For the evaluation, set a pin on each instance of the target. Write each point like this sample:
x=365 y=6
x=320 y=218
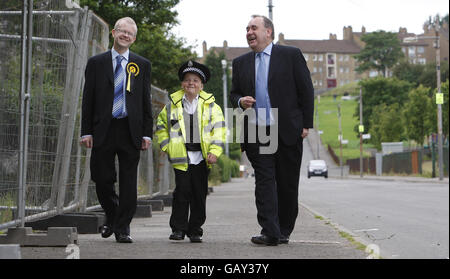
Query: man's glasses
x=125 y=32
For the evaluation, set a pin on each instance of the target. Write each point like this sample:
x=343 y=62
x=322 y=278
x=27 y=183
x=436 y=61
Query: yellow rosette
x=132 y=69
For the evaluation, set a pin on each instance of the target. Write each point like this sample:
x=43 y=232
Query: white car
x=317 y=168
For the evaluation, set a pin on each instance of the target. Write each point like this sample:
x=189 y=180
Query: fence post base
x=55 y=236
x=10 y=251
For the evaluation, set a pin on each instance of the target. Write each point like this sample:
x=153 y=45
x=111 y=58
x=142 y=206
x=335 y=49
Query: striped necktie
x=118 y=89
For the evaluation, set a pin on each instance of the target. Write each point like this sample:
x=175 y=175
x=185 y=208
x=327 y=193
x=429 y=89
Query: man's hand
x=247 y=102
x=305 y=133
x=86 y=141
x=145 y=144
x=212 y=159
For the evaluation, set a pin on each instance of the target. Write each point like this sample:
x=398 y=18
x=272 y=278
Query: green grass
x=6 y=199
x=328 y=122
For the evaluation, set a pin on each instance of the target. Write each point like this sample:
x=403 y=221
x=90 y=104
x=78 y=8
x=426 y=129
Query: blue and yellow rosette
x=132 y=69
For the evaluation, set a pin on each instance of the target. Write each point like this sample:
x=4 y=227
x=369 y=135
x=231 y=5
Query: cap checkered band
x=192 y=69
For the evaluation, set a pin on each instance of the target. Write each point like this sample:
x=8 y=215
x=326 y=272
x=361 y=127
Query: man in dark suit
x=274 y=77
x=117 y=120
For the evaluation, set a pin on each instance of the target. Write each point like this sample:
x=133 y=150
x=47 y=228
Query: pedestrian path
x=231 y=221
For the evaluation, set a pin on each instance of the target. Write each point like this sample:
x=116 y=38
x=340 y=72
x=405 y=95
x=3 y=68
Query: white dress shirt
x=195 y=157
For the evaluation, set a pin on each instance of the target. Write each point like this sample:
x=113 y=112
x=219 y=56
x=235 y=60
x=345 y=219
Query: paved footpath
x=231 y=221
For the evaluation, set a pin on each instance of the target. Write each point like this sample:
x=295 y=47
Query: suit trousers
x=276 y=186
x=189 y=196
x=119 y=209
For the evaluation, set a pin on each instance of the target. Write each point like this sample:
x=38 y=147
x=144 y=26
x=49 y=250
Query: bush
x=225 y=167
x=224 y=170
x=214 y=175
x=235 y=151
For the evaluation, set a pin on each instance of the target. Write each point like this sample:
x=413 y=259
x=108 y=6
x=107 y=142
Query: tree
x=428 y=77
x=381 y=52
x=155 y=19
x=441 y=21
x=377 y=91
x=421 y=74
x=215 y=85
x=167 y=54
x=445 y=110
x=144 y=12
x=386 y=125
x=418 y=114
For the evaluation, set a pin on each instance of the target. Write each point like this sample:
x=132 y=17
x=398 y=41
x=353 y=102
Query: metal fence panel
x=57 y=168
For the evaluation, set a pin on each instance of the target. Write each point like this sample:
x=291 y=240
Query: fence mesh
x=57 y=168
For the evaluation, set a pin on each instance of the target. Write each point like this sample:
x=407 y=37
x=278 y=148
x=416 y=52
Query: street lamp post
x=439 y=105
x=340 y=141
x=224 y=79
x=361 y=130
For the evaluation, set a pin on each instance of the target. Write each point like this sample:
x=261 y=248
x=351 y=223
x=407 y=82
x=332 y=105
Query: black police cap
x=194 y=67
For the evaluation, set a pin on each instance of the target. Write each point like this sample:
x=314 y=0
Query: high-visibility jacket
x=171 y=130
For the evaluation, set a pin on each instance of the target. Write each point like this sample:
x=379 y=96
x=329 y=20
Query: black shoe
x=265 y=240
x=123 y=238
x=177 y=235
x=284 y=239
x=106 y=231
x=195 y=238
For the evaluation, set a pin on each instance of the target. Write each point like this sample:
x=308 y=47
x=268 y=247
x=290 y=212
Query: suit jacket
x=290 y=89
x=98 y=96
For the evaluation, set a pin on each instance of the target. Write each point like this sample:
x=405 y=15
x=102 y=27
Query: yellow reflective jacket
x=171 y=132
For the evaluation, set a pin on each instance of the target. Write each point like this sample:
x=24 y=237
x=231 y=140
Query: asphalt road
x=405 y=219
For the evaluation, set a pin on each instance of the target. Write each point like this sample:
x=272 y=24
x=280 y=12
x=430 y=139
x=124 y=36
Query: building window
x=347 y=57
x=320 y=57
x=331 y=73
x=315 y=70
x=420 y=49
x=314 y=57
x=422 y=61
x=315 y=82
x=341 y=57
x=341 y=70
x=330 y=58
x=306 y=56
x=373 y=73
x=412 y=51
x=404 y=50
x=320 y=69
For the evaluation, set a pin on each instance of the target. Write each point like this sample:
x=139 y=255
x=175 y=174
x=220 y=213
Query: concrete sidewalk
x=231 y=221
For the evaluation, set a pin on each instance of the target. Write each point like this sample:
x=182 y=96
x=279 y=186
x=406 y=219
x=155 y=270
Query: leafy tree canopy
x=381 y=52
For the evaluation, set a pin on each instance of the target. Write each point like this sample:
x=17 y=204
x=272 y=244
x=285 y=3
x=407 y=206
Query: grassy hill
x=328 y=122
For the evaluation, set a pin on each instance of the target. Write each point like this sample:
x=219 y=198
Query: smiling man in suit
x=117 y=121
x=274 y=80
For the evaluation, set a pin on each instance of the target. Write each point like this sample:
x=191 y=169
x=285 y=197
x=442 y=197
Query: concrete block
x=10 y=251
x=84 y=222
x=143 y=211
x=157 y=205
x=55 y=236
x=167 y=199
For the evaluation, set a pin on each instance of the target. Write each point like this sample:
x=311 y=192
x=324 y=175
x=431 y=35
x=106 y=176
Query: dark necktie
x=118 y=89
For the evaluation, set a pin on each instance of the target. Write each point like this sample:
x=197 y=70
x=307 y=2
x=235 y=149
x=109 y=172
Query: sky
x=214 y=21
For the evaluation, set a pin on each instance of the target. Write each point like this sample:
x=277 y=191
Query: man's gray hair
x=267 y=24
x=128 y=20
